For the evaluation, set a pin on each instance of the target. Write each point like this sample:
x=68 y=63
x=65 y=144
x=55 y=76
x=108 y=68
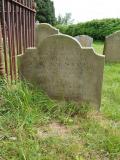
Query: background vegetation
x=45 y=11
x=97 y=29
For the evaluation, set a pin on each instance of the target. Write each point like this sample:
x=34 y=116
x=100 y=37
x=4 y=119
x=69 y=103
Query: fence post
x=17 y=18
x=1 y=53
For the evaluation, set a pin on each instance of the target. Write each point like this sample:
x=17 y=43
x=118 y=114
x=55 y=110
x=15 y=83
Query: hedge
x=98 y=29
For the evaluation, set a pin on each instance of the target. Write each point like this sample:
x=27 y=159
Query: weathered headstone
x=42 y=31
x=85 y=40
x=64 y=70
x=112 y=47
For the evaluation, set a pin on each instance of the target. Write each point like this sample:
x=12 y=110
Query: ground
x=34 y=127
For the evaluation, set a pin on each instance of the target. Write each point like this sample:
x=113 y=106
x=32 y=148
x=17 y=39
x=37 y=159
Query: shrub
x=98 y=29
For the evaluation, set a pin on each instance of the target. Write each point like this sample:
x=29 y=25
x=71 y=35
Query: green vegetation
x=34 y=127
x=98 y=29
x=98 y=46
x=45 y=11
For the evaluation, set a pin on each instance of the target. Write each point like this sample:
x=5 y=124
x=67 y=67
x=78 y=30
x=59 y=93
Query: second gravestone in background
x=64 y=70
x=84 y=40
x=112 y=47
x=42 y=31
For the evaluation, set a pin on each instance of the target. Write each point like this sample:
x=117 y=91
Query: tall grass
x=25 y=111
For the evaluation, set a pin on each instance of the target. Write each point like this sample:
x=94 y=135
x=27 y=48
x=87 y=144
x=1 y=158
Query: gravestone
x=64 y=70
x=112 y=47
x=42 y=31
x=84 y=40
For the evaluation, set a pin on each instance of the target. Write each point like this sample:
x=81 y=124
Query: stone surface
x=65 y=70
x=85 y=41
x=112 y=47
x=42 y=31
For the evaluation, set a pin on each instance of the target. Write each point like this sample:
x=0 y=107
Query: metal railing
x=17 y=25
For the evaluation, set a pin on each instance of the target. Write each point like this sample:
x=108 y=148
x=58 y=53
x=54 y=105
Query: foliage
x=98 y=46
x=98 y=29
x=45 y=11
x=66 y=20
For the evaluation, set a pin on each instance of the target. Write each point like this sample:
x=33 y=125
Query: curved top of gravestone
x=42 y=31
x=65 y=41
x=117 y=33
x=83 y=36
x=47 y=26
x=84 y=40
x=78 y=36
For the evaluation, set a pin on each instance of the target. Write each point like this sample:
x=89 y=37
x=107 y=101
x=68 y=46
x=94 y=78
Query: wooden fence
x=17 y=22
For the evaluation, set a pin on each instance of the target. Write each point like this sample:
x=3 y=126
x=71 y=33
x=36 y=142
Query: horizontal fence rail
x=17 y=25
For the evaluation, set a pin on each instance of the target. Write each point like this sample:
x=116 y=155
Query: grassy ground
x=98 y=46
x=34 y=127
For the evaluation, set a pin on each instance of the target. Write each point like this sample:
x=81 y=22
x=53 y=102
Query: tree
x=67 y=19
x=45 y=11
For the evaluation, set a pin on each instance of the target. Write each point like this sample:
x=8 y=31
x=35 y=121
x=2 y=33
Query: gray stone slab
x=85 y=40
x=65 y=70
x=112 y=47
x=42 y=31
